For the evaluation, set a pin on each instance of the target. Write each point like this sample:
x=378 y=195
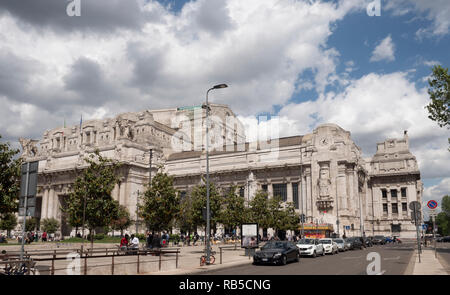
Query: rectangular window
x=393 y=193
x=280 y=190
x=242 y=191
x=403 y=192
x=295 y=194
x=264 y=187
x=405 y=207
x=394 y=208
x=385 y=209
x=384 y=193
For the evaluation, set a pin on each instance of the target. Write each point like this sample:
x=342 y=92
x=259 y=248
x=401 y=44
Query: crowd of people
x=30 y=237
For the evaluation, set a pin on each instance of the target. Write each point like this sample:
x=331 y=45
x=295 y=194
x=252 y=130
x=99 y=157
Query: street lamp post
x=208 y=215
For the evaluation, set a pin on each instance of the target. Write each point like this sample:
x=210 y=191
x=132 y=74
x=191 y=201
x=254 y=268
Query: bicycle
x=212 y=259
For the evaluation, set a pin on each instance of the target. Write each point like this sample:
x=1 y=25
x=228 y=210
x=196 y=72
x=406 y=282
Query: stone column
x=122 y=196
x=270 y=189
x=303 y=196
x=309 y=196
x=289 y=193
x=51 y=202
x=44 y=205
x=350 y=192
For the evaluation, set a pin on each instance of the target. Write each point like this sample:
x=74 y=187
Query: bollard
x=138 y=262
x=160 y=260
x=112 y=265
x=220 y=255
x=176 y=261
x=85 y=264
x=53 y=263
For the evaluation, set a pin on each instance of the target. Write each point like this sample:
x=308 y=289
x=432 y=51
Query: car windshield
x=378 y=237
x=325 y=241
x=306 y=241
x=339 y=241
x=276 y=245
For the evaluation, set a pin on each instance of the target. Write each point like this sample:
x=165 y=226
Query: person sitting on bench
x=134 y=245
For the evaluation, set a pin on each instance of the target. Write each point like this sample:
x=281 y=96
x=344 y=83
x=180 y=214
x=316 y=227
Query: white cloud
x=373 y=108
x=437 y=11
x=173 y=60
x=384 y=50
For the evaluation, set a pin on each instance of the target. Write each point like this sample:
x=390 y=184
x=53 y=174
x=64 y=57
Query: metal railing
x=35 y=256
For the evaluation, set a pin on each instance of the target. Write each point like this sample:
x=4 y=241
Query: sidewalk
x=429 y=265
x=190 y=260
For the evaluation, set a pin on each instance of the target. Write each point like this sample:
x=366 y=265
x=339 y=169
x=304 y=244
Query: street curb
x=202 y=270
x=412 y=262
x=443 y=262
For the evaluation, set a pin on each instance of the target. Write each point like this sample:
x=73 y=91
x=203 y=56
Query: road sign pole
x=417 y=232
x=434 y=234
x=25 y=212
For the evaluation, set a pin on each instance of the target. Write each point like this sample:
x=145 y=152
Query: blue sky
x=307 y=62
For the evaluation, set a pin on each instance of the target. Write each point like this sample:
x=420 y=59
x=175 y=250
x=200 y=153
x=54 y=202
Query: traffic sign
x=424 y=226
x=432 y=204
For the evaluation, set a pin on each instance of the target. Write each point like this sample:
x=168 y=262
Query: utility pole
x=25 y=212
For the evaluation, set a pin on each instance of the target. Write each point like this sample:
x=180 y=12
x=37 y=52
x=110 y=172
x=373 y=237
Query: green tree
x=160 y=202
x=276 y=214
x=443 y=218
x=9 y=179
x=198 y=196
x=31 y=224
x=50 y=225
x=233 y=212
x=122 y=221
x=184 y=218
x=93 y=188
x=259 y=209
x=8 y=222
x=439 y=91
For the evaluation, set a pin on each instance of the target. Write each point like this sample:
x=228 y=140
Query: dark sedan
x=277 y=252
x=379 y=240
x=355 y=243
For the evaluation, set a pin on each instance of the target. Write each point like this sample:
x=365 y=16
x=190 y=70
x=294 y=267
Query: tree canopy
x=160 y=202
x=94 y=185
x=439 y=91
x=9 y=178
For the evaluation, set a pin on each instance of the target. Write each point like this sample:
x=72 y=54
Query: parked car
x=277 y=252
x=342 y=245
x=356 y=243
x=329 y=246
x=310 y=247
x=389 y=240
x=446 y=239
x=379 y=240
x=348 y=244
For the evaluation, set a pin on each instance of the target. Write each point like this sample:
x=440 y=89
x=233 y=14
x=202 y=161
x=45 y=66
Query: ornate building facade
x=323 y=173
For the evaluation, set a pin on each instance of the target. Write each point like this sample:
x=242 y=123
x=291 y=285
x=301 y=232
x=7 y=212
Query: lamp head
x=220 y=86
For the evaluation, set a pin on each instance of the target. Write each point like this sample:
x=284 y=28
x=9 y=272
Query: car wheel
x=297 y=258
x=283 y=260
x=314 y=254
x=323 y=252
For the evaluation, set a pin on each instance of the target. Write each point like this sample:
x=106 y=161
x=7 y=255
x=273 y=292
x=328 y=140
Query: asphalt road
x=443 y=250
x=394 y=261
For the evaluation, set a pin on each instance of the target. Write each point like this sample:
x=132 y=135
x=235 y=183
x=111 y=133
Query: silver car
x=329 y=246
x=342 y=245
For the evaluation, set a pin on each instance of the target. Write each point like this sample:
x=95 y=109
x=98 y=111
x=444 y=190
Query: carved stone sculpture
x=29 y=147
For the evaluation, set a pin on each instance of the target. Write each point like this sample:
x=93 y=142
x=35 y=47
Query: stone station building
x=323 y=173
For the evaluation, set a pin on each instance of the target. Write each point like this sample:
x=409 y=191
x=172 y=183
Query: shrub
x=99 y=236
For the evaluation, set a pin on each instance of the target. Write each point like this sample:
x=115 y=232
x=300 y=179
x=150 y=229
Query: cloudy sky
x=308 y=62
